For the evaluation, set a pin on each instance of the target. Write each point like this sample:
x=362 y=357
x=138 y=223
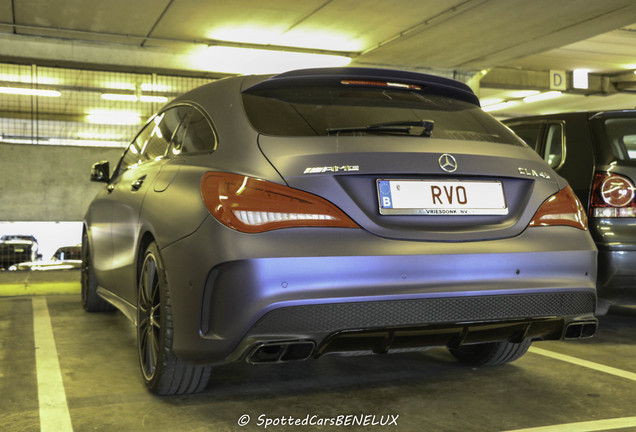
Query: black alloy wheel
x=149 y=318
x=164 y=373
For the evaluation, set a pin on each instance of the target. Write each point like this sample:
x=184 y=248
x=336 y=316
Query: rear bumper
x=448 y=293
x=399 y=339
x=419 y=297
x=616 y=242
x=617 y=275
x=383 y=326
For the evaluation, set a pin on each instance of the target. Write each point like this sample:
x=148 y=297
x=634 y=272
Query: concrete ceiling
x=498 y=46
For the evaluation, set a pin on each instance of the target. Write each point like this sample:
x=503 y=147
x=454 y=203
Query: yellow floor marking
x=589 y=426
x=44 y=288
x=588 y=364
x=54 y=414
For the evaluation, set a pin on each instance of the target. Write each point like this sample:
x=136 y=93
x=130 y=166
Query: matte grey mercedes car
x=282 y=218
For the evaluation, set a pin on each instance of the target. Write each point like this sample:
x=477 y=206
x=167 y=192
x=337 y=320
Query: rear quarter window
x=196 y=134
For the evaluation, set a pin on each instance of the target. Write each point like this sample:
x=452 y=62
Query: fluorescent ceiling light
x=119 y=97
x=320 y=40
x=490 y=101
x=63 y=141
x=499 y=106
x=133 y=98
x=25 y=78
x=30 y=92
x=542 y=96
x=28 y=79
x=311 y=40
x=13 y=140
x=580 y=78
x=114 y=117
x=159 y=99
x=101 y=136
x=524 y=93
x=86 y=143
x=156 y=87
x=261 y=61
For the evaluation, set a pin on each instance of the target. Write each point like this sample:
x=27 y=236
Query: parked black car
x=15 y=249
x=596 y=153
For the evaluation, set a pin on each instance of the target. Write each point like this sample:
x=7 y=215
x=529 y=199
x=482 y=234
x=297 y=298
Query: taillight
x=251 y=205
x=612 y=196
x=562 y=208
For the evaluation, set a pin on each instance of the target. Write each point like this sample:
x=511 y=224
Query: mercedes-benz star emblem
x=447 y=163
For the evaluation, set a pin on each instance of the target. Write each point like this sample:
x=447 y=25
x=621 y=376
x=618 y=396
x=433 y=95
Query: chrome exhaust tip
x=580 y=330
x=280 y=352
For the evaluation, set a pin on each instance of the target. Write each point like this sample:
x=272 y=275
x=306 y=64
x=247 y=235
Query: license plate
x=433 y=197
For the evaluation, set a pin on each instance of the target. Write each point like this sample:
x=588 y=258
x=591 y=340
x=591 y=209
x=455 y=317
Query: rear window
x=313 y=111
x=621 y=135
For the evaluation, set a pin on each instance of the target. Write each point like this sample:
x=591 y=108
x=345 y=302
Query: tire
x=90 y=300
x=491 y=354
x=163 y=372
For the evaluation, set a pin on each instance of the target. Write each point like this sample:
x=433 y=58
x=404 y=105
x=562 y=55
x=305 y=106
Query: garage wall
x=56 y=122
x=48 y=183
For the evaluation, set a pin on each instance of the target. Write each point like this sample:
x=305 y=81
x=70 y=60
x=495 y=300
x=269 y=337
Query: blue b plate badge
x=434 y=197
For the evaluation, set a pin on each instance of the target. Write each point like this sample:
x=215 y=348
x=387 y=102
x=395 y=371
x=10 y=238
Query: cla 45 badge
x=533 y=173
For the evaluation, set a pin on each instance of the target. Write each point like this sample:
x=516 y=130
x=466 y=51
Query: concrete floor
x=100 y=389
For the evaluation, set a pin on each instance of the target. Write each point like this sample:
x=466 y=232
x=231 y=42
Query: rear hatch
x=406 y=156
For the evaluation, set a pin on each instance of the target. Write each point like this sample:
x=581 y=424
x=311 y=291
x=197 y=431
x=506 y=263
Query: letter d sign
x=557 y=80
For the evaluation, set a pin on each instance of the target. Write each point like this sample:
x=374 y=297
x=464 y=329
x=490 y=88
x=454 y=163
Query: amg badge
x=328 y=169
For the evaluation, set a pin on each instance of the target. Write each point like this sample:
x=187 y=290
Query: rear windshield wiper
x=418 y=128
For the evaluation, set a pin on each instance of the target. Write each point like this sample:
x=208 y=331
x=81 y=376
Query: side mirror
x=100 y=172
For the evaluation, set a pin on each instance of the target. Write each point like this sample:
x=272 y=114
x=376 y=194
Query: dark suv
x=596 y=153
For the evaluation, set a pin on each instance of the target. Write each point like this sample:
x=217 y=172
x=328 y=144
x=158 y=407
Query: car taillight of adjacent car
x=612 y=196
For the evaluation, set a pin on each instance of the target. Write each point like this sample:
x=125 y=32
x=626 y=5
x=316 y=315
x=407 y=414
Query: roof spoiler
x=430 y=84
